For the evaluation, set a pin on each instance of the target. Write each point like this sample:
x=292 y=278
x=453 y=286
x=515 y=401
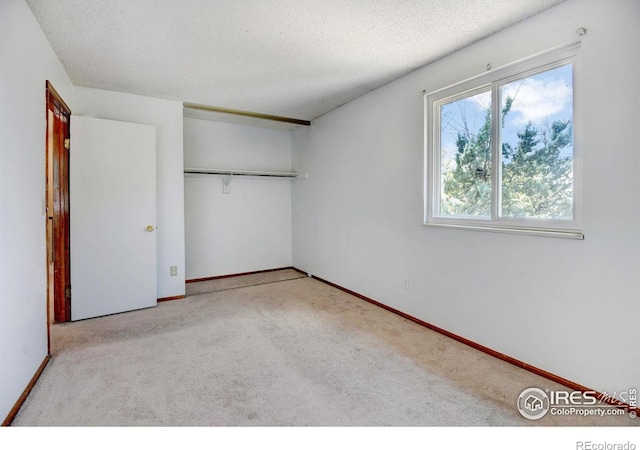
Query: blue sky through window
x=540 y=99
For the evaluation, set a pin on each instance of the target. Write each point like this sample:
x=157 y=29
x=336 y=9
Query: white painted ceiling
x=292 y=58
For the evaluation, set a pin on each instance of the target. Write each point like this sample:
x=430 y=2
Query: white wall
x=26 y=61
x=248 y=229
x=568 y=307
x=166 y=116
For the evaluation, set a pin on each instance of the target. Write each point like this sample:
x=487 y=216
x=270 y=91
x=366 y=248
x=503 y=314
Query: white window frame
x=492 y=81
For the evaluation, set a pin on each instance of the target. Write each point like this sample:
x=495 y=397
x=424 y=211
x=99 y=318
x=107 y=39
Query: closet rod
x=238 y=112
x=249 y=173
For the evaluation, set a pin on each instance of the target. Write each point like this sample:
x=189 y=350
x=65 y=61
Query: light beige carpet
x=288 y=351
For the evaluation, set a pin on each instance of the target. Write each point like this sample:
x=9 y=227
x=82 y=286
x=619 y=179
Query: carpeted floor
x=274 y=349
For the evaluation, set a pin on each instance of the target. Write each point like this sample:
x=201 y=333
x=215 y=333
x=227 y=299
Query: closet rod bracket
x=226 y=184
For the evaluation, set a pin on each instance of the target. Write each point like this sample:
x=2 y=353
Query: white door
x=113 y=212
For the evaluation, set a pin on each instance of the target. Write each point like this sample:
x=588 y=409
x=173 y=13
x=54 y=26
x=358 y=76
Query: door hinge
x=67 y=293
x=67 y=143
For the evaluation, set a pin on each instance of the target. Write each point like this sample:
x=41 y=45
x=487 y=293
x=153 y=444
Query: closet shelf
x=250 y=173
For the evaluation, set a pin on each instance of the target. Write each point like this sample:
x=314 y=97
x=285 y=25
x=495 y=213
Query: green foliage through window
x=535 y=180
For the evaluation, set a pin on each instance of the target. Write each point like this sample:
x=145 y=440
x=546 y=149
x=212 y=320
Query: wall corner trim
x=232 y=275
x=175 y=297
x=25 y=393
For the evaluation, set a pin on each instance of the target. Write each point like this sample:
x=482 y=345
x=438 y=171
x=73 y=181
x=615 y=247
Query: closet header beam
x=255 y=115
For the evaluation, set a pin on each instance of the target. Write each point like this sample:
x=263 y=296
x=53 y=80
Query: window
x=501 y=150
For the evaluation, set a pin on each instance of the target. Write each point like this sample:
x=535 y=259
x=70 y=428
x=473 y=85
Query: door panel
x=113 y=193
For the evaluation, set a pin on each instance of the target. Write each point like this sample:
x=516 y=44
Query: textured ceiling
x=297 y=59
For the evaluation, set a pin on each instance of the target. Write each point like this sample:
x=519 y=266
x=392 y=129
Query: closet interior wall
x=246 y=226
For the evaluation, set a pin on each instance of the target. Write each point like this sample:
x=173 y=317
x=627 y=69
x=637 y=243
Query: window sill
x=565 y=234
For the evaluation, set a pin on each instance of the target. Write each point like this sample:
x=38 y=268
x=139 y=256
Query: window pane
x=465 y=156
x=537 y=146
